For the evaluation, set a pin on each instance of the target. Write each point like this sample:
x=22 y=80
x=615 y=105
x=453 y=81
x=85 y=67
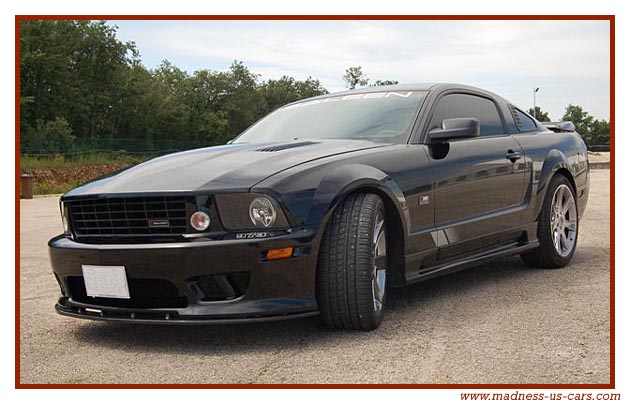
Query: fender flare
x=342 y=181
x=554 y=161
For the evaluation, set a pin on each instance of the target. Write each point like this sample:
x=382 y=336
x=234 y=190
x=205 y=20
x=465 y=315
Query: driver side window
x=469 y=106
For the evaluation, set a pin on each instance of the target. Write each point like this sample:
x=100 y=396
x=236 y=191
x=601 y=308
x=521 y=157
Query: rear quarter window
x=522 y=121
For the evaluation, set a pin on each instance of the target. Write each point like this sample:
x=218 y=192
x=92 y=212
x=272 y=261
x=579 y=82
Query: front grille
x=128 y=217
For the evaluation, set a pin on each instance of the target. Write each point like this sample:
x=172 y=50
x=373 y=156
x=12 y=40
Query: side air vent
x=284 y=146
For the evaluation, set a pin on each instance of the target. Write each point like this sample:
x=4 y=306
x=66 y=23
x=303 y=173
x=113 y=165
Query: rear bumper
x=274 y=290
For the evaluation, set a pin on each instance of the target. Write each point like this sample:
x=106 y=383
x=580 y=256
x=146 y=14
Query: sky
x=567 y=60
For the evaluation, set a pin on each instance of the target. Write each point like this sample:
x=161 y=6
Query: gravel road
x=500 y=323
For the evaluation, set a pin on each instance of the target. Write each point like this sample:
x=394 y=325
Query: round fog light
x=200 y=221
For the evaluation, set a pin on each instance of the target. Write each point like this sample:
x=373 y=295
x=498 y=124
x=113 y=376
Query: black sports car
x=320 y=207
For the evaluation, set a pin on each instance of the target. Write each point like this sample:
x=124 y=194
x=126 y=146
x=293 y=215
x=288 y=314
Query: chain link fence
x=117 y=147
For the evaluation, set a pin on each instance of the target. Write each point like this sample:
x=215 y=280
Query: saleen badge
x=153 y=223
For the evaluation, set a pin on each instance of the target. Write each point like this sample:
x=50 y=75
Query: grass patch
x=47 y=188
x=59 y=174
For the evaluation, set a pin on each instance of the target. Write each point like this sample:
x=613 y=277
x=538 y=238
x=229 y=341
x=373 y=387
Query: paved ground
x=501 y=323
x=599 y=160
x=598 y=157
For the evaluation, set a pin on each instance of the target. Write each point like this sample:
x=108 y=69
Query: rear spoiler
x=565 y=126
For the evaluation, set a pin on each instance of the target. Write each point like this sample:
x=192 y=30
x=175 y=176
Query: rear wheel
x=352 y=274
x=557 y=227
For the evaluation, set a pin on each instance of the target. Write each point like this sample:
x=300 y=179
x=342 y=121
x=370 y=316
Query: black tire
x=346 y=269
x=547 y=255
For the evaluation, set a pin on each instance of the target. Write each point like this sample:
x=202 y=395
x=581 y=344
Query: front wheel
x=557 y=227
x=352 y=274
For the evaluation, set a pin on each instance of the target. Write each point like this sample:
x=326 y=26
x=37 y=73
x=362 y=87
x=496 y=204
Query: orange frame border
x=610 y=18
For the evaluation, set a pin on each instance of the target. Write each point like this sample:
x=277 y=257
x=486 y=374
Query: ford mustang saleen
x=321 y=207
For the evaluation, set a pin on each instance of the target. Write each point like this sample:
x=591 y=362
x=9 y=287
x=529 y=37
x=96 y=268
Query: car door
x=478 y=182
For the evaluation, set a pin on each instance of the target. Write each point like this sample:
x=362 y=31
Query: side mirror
x=456 y=128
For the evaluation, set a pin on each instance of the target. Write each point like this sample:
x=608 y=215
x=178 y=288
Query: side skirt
x=471 y=261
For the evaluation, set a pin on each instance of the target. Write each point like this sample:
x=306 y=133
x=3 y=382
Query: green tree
x=54 y=136
x=171 y=115
x=594 y=132
x=74 y=69
x=600 y=132
x=81 y=88
x=581 y=119
x=141 y=103
x=540 y=115
x=354 y=77
x=209 y=122
x=242 y=104
x=277 y=93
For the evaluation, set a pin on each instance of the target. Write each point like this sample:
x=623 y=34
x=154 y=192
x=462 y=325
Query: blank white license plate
x=105 y=281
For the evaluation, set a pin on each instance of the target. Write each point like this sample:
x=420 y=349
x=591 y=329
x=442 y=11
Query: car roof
x=403 y=87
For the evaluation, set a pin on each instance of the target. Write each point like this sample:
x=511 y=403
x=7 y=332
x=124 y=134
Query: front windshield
x=379 y=116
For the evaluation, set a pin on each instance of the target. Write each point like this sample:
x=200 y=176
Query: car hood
x=235 y=167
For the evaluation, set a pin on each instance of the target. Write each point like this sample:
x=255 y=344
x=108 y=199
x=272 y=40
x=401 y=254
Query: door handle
x=513 y=156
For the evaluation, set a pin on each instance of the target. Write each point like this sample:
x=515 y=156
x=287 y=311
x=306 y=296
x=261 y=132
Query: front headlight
x=250 y=211
x=262 y=212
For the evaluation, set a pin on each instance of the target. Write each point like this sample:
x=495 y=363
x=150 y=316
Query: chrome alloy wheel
x=563 y=220
x=379 y=272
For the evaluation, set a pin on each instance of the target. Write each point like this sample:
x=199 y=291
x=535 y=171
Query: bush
x=47 y=137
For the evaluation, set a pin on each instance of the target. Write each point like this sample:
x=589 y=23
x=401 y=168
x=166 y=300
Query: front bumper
x=279 y=289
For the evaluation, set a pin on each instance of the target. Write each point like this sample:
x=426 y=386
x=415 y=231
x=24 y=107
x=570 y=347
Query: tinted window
x=523 y=122
x=379 y=116
x=469 y=106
